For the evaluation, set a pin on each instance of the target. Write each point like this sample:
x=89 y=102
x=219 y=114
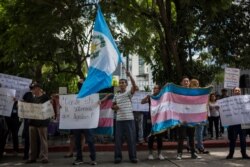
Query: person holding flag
x=125 y=124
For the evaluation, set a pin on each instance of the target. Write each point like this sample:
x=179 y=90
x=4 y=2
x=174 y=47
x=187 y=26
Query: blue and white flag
x=104 y=59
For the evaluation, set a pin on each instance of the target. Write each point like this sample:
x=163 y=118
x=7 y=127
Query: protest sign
x=235 y=110
x=6 y=101
x=79 y=113
x=21 y=85
x=231 y=78
x=35 y=111
x=136 y=101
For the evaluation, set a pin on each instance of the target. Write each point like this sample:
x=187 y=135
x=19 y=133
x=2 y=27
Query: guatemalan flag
x=176 y=105
x=104 y=59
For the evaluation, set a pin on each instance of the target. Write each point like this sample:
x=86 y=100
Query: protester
x=38 y=126
x=13 y=126
x=3 y=134
x=214 y=116
x=88 y=133
x=183 y=129
x=28 y=97
x=233 y=132
x=223 y=95
x=138 y=115
x=125 y=125
x=194 y=83
x=158 y=137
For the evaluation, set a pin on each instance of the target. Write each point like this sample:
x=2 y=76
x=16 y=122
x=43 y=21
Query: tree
x=164 y=32
x=43 y=38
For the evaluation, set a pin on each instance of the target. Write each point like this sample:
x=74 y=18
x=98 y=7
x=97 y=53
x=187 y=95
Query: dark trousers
x=233 y=132
x=182 y=132
x=221 y=128
x=3 y=134
x=151 y=142
x=26 y=139
x=13 y=126
x=88 y=134
x=214 y=122
x=125 y=129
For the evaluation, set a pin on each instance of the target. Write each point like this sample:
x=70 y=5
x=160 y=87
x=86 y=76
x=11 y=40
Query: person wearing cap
x=38 y=126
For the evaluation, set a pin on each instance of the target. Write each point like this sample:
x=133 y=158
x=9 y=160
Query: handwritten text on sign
x=35 y=111
x=21 y=85
x=136 y=102
x=81 y=113
x=231 y=78
x=6 y=101
x=235 y=110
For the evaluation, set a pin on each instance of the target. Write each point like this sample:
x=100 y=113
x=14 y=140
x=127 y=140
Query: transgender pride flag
x=104 y=59
x=105 y=125
x=176 y=105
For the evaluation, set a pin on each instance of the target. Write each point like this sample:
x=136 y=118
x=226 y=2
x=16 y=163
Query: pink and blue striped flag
x=105 y=125
x=105 y=57
x=176 y=105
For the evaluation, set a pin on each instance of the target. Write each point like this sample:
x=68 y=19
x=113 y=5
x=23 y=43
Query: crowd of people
x=129 y=126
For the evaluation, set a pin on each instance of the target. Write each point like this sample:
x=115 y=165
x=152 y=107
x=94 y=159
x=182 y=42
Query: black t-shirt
x=39 y=123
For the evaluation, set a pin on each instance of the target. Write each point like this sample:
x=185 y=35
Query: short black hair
x=126 y=81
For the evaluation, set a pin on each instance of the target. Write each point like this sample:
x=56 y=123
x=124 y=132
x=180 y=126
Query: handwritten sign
x=235 y=110
x=35 y=111
x=6 y=101
x=21 y=85
x=136 y=102
x=79 y=113
x=231 y=78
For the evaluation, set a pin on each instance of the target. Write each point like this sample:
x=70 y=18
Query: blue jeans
x=199 y=136
x=139 y=123
x=125 y=129
x=88 y=134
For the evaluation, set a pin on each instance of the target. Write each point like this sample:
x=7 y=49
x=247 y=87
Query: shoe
x=117 y=161
x=229 y=156
x=179 y=156
x=93 y=163
x=245 y=156
x=203 y=151
x=30 y=161
x=68 y=156
x=77 y=162
x=44 y=161
x=195 y=156
x=134 y=161
x=161 y=157
x=150 y=157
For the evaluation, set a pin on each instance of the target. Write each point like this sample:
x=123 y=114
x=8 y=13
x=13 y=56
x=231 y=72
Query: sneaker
x=229 y=156
x=195 y=156
x=44 y=161
x=117 y=161
x=161 y=157
x=30 y=161
x=245 y=156
x=93 y=163
x=179 y=156
x=150 y=157
x=134 y=161
x=77 y=162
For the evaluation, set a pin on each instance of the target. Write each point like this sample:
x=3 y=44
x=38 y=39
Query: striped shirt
x=123 y=101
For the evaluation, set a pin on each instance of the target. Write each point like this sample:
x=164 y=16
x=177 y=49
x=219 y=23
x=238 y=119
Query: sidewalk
x=59 y=144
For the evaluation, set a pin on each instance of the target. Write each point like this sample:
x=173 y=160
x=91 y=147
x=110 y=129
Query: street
x=216 y=158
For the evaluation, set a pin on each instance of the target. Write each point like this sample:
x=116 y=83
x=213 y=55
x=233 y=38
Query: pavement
x=216 y=158
x=58 y=147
